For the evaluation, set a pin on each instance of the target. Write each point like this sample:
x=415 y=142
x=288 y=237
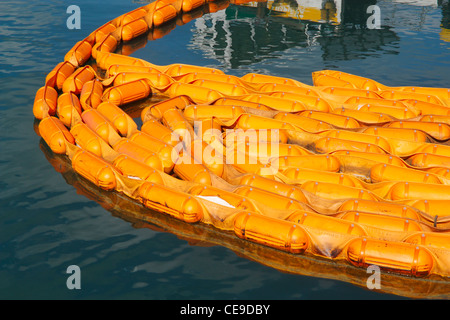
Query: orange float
x=327 y=224
x=273 y=186
x=95 y=169
x=418 y=191
x=380 y=207
x=45 y=102
x=337 y=120
x=385 y=172
x=303 y=198
x=127 y=92
x=334 y=191
x=439 y=131
x=87 y=139
x=398 y=257
x=135 y=169
x=179 y=204
x=138 y=152
x=68 y=108
x=55 y=134
x=318 y=162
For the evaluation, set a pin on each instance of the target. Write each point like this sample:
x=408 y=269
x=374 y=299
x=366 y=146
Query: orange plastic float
x=418 y=191
x=95 y=169
x=135 y=169
x=348 y=169
x=203 y=112
x=264 y=79
x=187 y=168
x=393 y=111
x=127 y=92
x=310 y=101
x=230 y=101
x=59 y=74
x=272 y=186
x=429 y=160
x=380 y=207
x=162 y=149
x=429 y=108
x=337 y=120
x=402 y=95
x=68 y=108
x=276 y=103
x=398 y=133
x=45 y=102
x=227 y=198
x=267 y=150
x=384 y=222
x=138 y=152
x=269 y=199
x=157 y=110
x=336 y=191
x=248 y=121
x=327 y=144
x=120 y=120
x=179 y=204
x=355 y=80
x=284 y=235
x=313 y=161
x=371 y=156
x=75 y=82
x=87 y=139
x=392 y=256
x=326 y=223
x=161 y=132
x=99 y=124
x=282 y=89
x=154 y=79
x=91 y=94
x=304 y=123
x=439 y=131
x=385 y=172
x=299 y=176
x=55 y=134
x=435 y=118
x=432 y=239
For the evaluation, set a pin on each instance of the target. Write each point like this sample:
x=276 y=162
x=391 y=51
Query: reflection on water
x=50 y=218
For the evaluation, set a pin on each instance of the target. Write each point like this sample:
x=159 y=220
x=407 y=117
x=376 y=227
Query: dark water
x=50 y=220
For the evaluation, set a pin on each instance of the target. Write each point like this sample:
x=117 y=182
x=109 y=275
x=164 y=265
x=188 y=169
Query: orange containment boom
x=283 y=235
x=347 y=169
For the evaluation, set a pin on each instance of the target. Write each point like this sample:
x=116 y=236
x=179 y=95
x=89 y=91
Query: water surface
x=49 y=219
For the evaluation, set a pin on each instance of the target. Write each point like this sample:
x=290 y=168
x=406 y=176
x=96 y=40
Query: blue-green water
x=49 y=220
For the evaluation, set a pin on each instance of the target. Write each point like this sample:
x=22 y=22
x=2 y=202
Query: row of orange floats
x=346 y=169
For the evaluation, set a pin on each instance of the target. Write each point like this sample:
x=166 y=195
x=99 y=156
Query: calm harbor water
x=50 y=220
